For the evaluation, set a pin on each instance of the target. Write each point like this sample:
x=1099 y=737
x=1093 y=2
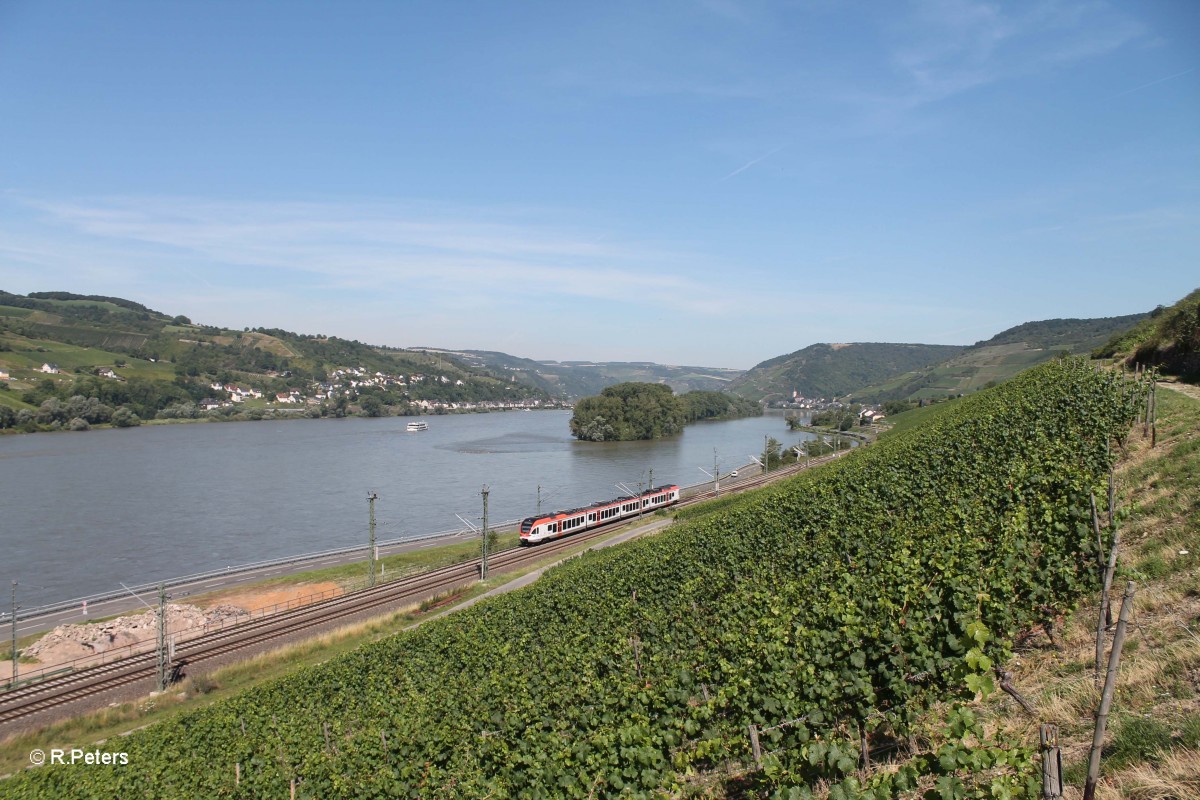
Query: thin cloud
x=381 y=247
x=751 y=163
x=1153 y=83
x=951 y=47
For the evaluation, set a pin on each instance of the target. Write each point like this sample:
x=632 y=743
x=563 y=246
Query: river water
x=82 y=513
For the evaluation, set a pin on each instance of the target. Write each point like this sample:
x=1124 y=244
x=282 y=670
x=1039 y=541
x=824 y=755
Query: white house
x=50 y=368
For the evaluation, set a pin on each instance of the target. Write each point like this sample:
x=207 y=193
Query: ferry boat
x=417 y=426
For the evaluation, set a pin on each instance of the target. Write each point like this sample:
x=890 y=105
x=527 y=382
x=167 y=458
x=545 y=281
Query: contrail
x=1153 y=83
x=750 y=164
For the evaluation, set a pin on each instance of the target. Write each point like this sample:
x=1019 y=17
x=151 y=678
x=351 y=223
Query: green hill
x=997 y=359
x=834 y=370
x=1168 y=338
x=830 y=612
x=159 y=361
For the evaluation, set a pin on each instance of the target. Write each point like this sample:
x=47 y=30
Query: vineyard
x=829 y=612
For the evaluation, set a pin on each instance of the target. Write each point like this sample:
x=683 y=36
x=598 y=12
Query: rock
x=134 y=633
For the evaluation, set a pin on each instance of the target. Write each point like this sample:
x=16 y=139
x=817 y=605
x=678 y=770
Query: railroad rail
x=58 y=690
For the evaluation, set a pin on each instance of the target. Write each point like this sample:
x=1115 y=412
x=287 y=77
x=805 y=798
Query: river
x=82 y=513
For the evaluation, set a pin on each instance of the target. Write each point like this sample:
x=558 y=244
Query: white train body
x=564 y=523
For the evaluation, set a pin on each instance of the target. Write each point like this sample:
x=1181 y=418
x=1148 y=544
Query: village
x=350 y=382
x=343 y=382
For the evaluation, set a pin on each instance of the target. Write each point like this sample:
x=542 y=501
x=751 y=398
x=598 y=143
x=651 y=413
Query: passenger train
x=561 y=523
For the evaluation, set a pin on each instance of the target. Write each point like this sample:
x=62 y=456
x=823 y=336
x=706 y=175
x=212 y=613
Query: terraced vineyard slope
x=843 y=603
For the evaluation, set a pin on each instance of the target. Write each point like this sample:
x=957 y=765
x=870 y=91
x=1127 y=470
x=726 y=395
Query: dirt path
x=272 y=598
x=1190 y=389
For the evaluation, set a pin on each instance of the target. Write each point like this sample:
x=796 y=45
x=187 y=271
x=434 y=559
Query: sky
x=703 y=182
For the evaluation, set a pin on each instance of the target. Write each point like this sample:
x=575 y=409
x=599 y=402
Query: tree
x=597 y=430
x=774 y=453
x=629 y=411
x=372 y=406
x=51 y=410
x=123 y=417
x=893 y=407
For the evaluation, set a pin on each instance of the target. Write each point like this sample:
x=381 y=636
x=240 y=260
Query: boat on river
x=417 y=426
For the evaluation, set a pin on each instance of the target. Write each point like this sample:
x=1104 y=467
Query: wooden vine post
x=1104 y=618
x=1052 y=786
x=1154 y=414
x=755 y=747
x=1110 y=682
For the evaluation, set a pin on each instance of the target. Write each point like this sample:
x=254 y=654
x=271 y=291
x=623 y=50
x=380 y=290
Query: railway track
x=61 y=690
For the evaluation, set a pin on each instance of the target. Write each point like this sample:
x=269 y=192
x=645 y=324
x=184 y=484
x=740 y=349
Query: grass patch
x=1154 y=731
x=1152 y=748
x=916 y=417
x=1144 y=739
x=354 y=575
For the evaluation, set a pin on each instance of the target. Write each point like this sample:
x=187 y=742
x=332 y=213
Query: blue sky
x=708 y=182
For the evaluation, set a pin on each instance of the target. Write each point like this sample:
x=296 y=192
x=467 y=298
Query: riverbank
x=86 y=514
x=94 y=728
x=260 y=414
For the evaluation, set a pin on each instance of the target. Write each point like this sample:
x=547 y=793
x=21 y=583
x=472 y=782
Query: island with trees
x=629 y=411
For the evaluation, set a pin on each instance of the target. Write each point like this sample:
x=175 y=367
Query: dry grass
x=1152 y=744
x=1175 y=777
x=1150 y=749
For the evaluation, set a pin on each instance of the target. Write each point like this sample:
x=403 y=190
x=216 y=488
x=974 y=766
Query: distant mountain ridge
x=85 y=333
x=834 y=370
x=998 y=358
x=576 y=379
x=1079 y=335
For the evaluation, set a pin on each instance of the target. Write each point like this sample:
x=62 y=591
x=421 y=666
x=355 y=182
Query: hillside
x=997 y=359
x=831 y=612
x=834 y=370
x=1168 y=338
x=575 y=379
x=56 y=345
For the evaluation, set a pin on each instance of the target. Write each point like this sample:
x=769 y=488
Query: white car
x=733 y=474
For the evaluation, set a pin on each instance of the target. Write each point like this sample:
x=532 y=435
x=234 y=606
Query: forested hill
x=879 y=372
x=1167 y=338
x=55 y=346
x=833 y=370
x=997 y=359
x=1074 y=335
